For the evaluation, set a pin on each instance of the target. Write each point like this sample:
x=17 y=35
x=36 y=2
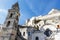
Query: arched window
x=8 y=23
x=23 y=33
x=11 y=15
x=37 y=38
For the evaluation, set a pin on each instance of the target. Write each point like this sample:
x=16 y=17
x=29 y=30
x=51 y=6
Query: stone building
x=48 y=26
x=42 y=27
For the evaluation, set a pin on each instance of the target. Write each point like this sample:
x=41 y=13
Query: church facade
x=37 y=28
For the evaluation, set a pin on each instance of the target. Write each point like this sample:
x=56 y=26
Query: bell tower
x=13 y=15
x=11 y=22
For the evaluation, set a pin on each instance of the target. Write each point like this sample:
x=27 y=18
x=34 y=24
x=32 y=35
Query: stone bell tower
x=11 y=22
x=13 y=15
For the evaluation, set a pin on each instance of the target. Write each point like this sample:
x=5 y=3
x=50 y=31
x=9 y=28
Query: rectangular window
x=28 y=33
x=23 y=33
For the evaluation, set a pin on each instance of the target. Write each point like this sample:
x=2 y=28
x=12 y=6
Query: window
x=37 y=38
x=23 y=33
x=11 y=15
x=28 y=33
x=8 y=23
x=48 y=32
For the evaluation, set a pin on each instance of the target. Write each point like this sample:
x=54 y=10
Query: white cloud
x=3 y=10
x=3 y=14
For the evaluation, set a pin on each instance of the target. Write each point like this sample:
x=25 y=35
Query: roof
x=25 y=26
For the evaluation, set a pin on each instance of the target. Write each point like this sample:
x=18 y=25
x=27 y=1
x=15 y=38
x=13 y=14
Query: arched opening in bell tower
x=11 y=15
x=8 y=23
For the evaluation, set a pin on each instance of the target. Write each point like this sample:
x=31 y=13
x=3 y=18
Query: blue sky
x=28 y=8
